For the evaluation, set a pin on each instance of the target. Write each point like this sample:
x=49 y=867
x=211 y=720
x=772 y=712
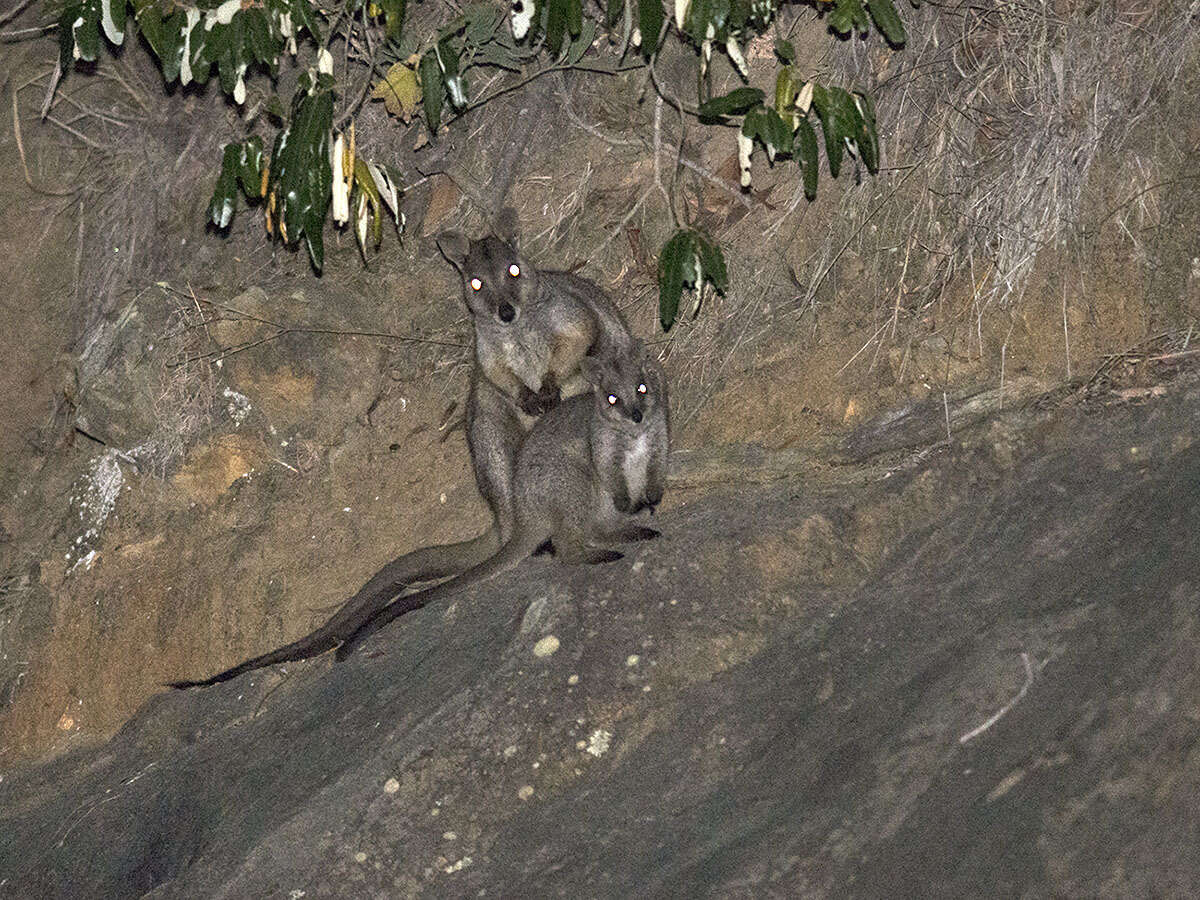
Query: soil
x=895 y=511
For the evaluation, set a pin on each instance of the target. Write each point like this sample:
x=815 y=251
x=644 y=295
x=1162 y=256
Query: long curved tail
x=518 y=548
x=425 y=564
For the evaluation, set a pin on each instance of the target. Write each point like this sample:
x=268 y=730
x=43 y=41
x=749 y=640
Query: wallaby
x=532 y=330
x=585 y=466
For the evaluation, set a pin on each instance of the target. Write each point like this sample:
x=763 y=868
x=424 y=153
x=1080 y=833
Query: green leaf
x=393 y=17
x=736 y=101
x=456 y=86
x=718 y=16
x=432 y=89
x=676 y=256
x=765 y=125
x=305 y=16
x=250 y=160
x=786 y=90
x=482 y=20
x=198 y=50
x=785 y=51
x=777 y=134
x=887 y=20
x=805 y=150
x=262 y=46
x=66 y=38
x=574 y=17
x=580 y=45
x=224 y=199
x=87 y=32
x=493 y=54
x=739 y=15
x=712 y=262
x=650 y=20
x=172 y=46
x=315 y=242
x=116 y=12
x=556 y=25
x=831 y=127
x=865 y=135
x=848 y=15
x=697 y=20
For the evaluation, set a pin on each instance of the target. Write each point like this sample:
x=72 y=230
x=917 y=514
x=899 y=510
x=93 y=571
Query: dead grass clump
x=994 y=120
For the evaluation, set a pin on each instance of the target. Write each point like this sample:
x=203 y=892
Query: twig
x=225 y=352
x=115 y=73
x=999 y=714
x=857 y=231
x=14 y=12
x=1170 y=357
x=10 y=37
x=95 y=145
x=556 y=67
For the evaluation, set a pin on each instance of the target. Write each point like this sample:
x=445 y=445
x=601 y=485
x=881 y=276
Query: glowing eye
x=641 y=388
x=612 y=399
x=476 y=284
x=514 y=270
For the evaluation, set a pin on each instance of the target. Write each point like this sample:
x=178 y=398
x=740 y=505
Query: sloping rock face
x=969 y=672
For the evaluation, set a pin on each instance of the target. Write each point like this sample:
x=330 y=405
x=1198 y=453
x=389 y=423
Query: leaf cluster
x=308 y=165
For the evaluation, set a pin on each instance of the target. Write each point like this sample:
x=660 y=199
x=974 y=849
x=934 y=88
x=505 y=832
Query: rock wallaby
x=532 y=328
x=585 y=467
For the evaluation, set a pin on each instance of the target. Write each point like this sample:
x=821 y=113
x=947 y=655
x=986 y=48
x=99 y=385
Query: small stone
x=632 y=660
x=599 y=742
x=574 y=679
x=526 y=792
x=391 y=786
x=547 y=646
x=360 y=857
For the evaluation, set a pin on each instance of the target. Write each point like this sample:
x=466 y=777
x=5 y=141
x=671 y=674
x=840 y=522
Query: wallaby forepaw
x=540 y=402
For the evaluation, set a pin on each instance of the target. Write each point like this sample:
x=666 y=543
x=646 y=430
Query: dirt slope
x=759 y=704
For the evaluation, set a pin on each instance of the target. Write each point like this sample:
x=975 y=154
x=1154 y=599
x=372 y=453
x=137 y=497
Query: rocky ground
x=774 y=699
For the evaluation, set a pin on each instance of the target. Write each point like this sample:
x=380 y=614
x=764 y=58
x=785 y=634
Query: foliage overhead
x=313 y=171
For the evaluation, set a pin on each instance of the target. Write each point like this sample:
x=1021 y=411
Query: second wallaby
x=584 y=467
x=532 y=329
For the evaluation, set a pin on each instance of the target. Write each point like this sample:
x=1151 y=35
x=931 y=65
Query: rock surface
x=794 y=692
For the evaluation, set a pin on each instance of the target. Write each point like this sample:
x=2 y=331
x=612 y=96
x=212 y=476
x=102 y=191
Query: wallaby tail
x=518 y=548
x=425 y=564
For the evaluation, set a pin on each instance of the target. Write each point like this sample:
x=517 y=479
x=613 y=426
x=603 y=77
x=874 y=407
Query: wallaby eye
x=514 y=270
x=642 y=388
x=476 y=284
x=612 y=399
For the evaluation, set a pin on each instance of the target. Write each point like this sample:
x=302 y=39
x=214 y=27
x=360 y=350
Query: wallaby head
x=497 y=281
x=629 y=387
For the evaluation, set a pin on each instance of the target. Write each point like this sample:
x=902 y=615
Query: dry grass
x=996 y=116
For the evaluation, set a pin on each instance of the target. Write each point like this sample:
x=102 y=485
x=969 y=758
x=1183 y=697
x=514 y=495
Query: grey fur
x=581 y=462
x=532 y=331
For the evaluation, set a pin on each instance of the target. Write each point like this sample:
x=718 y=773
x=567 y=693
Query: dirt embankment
x=961 y=671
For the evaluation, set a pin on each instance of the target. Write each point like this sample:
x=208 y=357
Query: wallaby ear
x=455 y=247
x=590 y=369
x=508 y=226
